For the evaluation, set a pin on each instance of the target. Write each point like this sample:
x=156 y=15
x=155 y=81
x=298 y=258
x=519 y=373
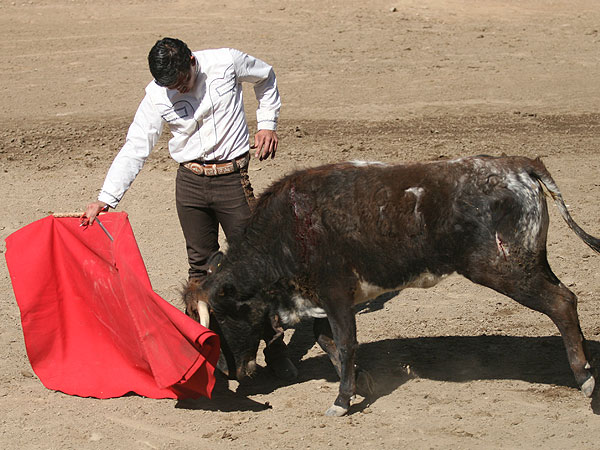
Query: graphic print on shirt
x=182 y=109
x=225 y=84
x=221 y=90
x=181 y=117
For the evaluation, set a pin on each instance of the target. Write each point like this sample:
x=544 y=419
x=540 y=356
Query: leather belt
x=211 y=170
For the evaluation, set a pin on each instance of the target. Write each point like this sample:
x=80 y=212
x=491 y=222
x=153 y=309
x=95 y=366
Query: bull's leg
x=324 y=337
x=343 y=328
x=276 y=355
x=539 y=289
x=561 y=306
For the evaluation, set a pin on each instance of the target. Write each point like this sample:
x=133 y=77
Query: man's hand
x=265 y=143
x=92 y=210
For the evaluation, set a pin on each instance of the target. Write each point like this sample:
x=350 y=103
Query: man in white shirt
x=200 y=96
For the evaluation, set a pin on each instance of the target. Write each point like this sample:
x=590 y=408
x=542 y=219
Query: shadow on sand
x=443 y=358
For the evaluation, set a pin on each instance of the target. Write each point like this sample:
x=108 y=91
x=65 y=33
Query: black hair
x=169 y=58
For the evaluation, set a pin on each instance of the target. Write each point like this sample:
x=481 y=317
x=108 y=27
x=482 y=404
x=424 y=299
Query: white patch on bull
x=418 y=193
x=528 y=191
x=286 y=251
x=358 y=163
x=381 y=214
x=366 y=291
x=455 y=161
x=302 y=308
x=481 y=164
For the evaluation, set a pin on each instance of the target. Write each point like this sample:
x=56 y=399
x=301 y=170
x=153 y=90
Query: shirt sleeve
x=141 y=138
x=253 y=70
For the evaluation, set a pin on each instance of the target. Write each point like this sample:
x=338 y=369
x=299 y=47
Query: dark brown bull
x=324 y=239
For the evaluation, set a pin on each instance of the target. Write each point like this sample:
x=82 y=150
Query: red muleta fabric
x=92 y=324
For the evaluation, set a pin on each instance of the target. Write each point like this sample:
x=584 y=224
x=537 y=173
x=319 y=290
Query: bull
x=324 y=239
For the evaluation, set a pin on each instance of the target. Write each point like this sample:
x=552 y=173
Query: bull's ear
x=214 y=262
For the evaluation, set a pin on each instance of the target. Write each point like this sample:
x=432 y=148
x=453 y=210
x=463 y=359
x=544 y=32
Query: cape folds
x=92 y=324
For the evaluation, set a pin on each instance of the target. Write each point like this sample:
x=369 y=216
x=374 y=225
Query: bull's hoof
x=365 y=386
x=588 y=386
x=336 y=411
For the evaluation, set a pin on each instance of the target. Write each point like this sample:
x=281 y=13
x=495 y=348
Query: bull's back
x=393 y=223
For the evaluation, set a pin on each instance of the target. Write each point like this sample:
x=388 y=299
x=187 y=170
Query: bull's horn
x=204 y=314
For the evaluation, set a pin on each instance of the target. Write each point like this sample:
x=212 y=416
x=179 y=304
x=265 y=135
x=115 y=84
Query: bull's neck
x=254 y=274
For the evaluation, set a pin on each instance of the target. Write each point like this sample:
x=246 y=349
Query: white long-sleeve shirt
x=207 y=123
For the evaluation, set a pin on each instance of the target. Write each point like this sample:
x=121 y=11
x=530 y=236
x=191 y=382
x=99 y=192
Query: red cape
x=93 y=326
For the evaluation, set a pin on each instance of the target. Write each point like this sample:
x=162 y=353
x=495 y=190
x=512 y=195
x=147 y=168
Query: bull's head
x=240 y=322
x=216 y=304
x=195 y=298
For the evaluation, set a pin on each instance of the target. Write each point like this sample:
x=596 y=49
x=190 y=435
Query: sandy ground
x=456 y=366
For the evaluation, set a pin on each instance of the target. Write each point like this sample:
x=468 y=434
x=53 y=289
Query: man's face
x=185 y=82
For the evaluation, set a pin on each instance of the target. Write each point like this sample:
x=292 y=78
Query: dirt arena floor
x=456 y=366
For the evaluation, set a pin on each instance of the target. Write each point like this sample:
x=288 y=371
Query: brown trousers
x=204 y=203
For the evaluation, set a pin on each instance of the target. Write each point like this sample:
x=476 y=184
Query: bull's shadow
x=443 y=358
x=223 y=400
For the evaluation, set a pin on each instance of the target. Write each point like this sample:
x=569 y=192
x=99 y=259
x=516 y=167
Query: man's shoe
x=283 y=368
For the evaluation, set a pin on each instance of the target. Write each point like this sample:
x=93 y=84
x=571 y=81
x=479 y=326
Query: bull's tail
x=539 y=172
